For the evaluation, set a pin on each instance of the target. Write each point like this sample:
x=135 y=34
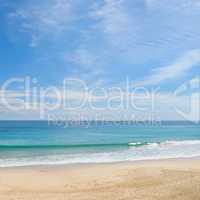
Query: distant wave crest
x=165 y=143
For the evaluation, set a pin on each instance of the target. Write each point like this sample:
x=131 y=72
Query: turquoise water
x=39 y=143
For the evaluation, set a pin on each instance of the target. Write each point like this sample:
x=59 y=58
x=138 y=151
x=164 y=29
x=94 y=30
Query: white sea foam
x=135 y=152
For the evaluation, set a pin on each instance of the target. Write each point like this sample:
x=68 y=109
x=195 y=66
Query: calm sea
x=24 y=143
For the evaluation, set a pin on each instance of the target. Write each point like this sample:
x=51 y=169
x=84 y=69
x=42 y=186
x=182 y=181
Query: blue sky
x=155 y=43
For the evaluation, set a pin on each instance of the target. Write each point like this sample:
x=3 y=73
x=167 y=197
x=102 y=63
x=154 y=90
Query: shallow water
x=39 y=143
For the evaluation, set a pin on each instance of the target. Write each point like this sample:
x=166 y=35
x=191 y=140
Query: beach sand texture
x=149 y=180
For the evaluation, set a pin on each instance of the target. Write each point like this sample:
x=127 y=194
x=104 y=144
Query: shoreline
x=77 y=165
x=145 y=180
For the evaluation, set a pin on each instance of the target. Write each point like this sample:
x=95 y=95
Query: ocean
x=28 y=143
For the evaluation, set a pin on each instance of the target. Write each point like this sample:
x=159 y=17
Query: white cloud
x=173 y=71
x=88 y=65
x=41 y=20
x=113 y=20
x=83 y=58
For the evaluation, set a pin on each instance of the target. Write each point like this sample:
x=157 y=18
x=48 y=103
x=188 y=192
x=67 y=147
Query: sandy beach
x=149 y=180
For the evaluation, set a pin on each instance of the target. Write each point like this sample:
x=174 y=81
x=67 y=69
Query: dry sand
x=150 y=180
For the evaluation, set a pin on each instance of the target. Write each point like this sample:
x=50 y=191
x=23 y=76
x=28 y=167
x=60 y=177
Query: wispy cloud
x=88 y=65
x=44 y=19
x=173 y=4
x=137 y=31
x=111 y=17
x=110 y=25
x=181 y=66
x=83 y=58
x=112 y=20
